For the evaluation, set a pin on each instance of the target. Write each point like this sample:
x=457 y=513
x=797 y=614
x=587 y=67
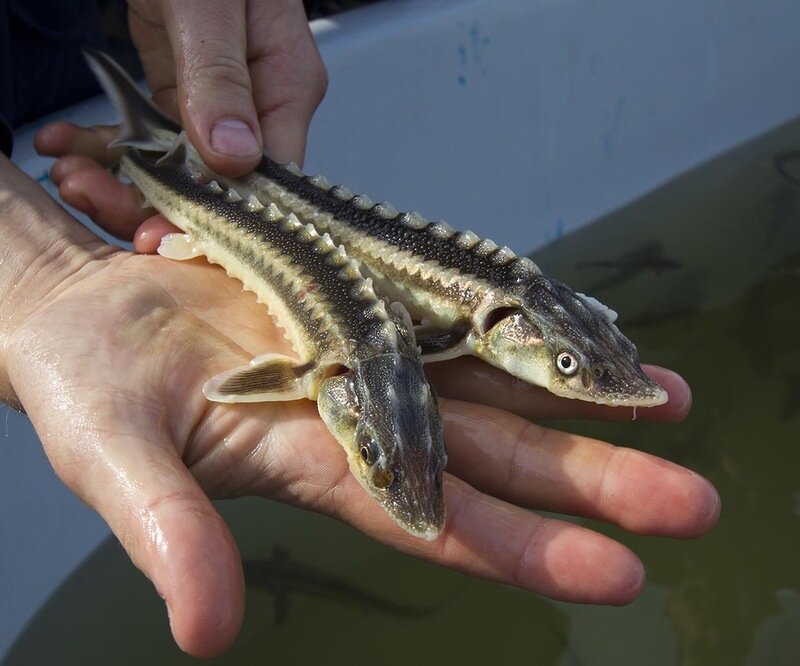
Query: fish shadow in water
x=788 y=166
x=789 y=266
x=281 y=576
x=649 y=257
x=791 y=399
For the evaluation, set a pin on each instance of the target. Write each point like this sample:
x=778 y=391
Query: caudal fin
x=143 y=125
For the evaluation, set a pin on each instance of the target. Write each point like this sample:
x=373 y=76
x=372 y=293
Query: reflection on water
x=705 y=273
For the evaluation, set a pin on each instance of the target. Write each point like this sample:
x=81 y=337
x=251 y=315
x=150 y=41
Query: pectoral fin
x=179 y=247
x=267 y=378
x=438 y=344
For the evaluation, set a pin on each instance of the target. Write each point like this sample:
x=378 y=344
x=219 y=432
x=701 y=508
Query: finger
x=534 y=466
x=492 y=539
x=499 y=541
x=472 y=380
x=152 y=41
x=69 y=164
x=215 y=95
x=84 y=185
x=62 y=138
x=289 y=77
x=112 y=205
x=148 y=236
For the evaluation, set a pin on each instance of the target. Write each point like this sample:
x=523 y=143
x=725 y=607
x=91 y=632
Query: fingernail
x=234 y=137
x=714 y=503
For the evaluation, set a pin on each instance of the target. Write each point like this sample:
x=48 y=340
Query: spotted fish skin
x=323 y=300
x=356 y=354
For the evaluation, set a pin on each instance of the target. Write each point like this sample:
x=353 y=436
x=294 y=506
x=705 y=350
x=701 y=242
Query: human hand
x=233 y=72
x=110 y=368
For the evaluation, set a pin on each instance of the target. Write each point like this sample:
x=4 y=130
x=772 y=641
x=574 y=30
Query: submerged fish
x=282 y=576
x=357 y=355
x=648 y=258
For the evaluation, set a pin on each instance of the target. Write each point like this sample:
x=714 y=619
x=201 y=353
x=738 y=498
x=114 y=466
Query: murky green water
x=706 y=274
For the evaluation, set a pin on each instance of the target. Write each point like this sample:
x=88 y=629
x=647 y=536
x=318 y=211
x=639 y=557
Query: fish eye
x=567 y=364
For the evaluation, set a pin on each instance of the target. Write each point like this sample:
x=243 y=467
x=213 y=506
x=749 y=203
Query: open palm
x=109 y=359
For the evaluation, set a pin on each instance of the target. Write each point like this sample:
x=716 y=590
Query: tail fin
x=143 y=125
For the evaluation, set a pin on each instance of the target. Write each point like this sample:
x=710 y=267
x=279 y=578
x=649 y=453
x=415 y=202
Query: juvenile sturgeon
x=471 y=296
x=357 y=356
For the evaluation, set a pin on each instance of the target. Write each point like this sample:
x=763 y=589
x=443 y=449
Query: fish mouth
x=426 y=532
x=624 y=387
x=427 y=529
x=658 y=397
x=421 y=517
x=431 y=534
x=648 y=393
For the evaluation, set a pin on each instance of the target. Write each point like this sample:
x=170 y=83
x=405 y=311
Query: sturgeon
x=357 y=356
x=471 y=296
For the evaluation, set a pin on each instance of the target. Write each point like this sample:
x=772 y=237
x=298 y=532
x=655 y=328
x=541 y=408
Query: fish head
x=385 y=415
x=567 y=343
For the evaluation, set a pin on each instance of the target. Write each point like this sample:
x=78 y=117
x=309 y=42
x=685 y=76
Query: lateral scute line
x=433 y=242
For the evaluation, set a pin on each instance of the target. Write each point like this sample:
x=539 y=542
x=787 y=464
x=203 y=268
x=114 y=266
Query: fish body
x=356 y=355
x=471 y=296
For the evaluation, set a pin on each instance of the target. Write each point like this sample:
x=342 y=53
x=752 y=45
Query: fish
x=788 y=166
x=470 y=296
x=791 y=399
x=283 y=576
x=356 y=353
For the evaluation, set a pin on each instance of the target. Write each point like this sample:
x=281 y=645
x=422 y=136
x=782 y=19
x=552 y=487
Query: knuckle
x=607 y=494
x=219 y=70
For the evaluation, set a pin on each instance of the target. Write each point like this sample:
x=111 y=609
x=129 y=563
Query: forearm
x=40 y=247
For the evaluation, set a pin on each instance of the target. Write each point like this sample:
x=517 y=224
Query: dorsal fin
x=143 y=125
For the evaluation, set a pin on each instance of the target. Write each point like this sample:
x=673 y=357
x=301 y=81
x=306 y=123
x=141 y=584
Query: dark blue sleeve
x=42 y=68
x=43 y=49
x=6 y=138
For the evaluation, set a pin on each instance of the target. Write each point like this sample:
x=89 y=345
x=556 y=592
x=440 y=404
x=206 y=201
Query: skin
x=107 y=352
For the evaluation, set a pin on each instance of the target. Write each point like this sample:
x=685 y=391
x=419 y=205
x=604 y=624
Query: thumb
x=215 y=94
